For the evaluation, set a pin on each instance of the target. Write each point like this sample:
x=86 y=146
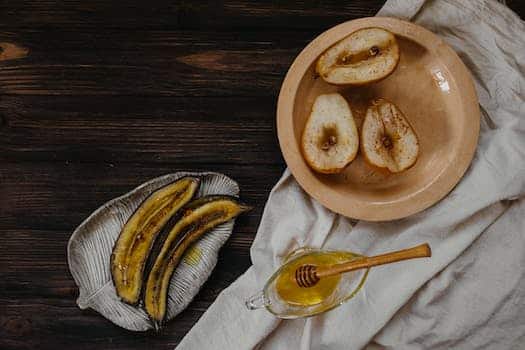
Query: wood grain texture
x=59 y=195
x=97 y=97
x=148 y=62
x=150 y=129
x=194 y=15
x=221 y=15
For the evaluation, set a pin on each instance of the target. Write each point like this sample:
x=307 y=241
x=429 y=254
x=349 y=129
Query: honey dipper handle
x=420 y=251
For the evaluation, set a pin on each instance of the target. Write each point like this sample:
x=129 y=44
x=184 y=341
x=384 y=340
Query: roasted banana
x=198 y=217
x=138 y=235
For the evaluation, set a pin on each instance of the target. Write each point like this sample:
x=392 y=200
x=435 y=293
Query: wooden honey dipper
x=308 y=275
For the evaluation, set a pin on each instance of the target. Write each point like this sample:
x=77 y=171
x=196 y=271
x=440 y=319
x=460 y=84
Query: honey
x=290 y=292
x=193 y=256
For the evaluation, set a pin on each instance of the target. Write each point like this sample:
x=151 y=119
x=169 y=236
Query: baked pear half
x=387 y=139
x=330 y=140
x=363 y=57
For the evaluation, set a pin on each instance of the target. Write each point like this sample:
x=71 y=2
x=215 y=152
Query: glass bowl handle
x=257 y=301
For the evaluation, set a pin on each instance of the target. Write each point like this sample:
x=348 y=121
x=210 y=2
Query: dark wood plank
x=59 y=324
x=195 y=15
x=59 y=195
x=119 y=129
x=143 y=62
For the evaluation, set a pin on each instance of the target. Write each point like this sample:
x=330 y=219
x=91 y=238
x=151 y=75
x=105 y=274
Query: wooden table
x=99 y=96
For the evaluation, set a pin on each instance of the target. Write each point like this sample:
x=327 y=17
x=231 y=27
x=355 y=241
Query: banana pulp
x=290 y=292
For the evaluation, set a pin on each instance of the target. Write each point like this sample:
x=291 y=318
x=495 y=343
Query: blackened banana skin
x=136 y=240
x=197 y=218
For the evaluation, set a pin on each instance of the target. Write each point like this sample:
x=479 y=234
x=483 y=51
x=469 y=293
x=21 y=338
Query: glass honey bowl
x=283 y=297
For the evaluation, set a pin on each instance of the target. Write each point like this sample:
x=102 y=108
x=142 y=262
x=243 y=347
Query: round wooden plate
x=434 y=90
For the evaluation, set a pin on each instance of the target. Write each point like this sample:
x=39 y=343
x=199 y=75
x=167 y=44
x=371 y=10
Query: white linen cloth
x=471 y=293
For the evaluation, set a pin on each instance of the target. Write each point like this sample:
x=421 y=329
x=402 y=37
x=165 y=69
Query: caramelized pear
x=330 y=139
x=387 y=139
x=365 y=56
